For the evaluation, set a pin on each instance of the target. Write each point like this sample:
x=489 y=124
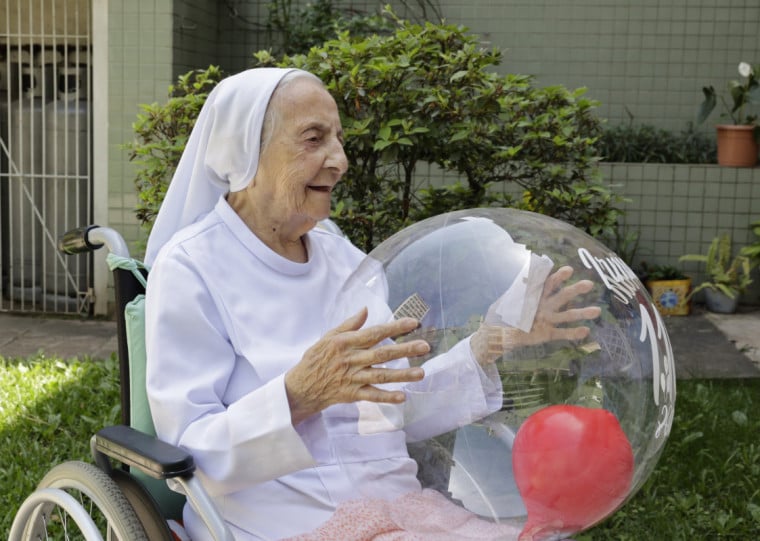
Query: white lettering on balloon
x=623 y=284
x=663 y=375
x=616 y=275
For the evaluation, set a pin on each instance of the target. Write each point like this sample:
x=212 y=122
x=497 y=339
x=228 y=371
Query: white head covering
x=222 y=152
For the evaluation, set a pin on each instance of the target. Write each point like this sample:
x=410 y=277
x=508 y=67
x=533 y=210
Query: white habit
x=226 y=318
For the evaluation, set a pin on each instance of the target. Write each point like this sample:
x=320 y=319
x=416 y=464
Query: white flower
x=745 y=70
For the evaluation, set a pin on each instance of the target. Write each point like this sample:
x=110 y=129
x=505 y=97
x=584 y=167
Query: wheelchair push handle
x=90 y=238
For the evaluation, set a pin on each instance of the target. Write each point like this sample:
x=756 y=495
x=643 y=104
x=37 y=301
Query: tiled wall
x=647 y=57
x=242 y=31
x=196 y=34
x=139 y=71
x=679 y=209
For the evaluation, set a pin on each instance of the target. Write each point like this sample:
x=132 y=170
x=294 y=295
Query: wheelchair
x=124 y=495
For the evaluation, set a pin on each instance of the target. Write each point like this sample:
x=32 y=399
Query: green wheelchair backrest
x=170 y=502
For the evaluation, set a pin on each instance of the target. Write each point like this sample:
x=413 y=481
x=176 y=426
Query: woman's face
x=304 y=157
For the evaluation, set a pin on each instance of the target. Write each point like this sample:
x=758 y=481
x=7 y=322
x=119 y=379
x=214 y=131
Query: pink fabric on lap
x=419 y=516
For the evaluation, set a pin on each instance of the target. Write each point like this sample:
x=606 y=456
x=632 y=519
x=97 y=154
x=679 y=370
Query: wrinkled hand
x=339 y=367
x=491 y=341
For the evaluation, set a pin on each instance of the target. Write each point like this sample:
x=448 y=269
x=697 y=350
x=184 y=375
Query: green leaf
x=458 y=75
x=384 y=132
x=754 y=511
x=707 y=105
x=753 y=95
x=381 y=145
x=459 y=136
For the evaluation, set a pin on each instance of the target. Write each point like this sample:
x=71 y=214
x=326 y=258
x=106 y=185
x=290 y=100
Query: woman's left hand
x=491 y=341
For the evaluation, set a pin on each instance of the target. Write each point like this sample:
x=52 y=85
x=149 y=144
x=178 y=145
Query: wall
x=646 y=57
x=649 y=57
x=140 y=67
x=243 y=24
x=195 y=34
x=679 y=209
x=242 y=30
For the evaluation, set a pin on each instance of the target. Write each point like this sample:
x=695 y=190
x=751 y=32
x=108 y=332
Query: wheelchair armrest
x=150 y=455
x=159 y=460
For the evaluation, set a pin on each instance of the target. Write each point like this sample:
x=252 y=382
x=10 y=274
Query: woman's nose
x=337 y=158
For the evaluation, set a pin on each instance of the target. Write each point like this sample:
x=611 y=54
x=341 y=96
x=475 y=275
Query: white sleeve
x=455 y=392
x=190 y=362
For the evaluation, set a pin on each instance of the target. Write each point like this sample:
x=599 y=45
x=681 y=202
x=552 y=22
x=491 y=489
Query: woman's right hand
x=340 y=367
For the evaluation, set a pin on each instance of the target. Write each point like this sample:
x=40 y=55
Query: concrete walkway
x=705 y=345
x=25 y=335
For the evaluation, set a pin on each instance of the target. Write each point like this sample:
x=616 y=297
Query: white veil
x=222 y=152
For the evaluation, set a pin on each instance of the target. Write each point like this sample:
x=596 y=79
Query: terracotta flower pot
x=736 y=146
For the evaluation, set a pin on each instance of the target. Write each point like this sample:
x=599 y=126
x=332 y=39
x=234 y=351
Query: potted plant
x=728 y=277
x=669 y=288
x=737 y=142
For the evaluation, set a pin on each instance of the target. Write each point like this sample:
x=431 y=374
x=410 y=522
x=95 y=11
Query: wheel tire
x=96 y=491
x=144 y=505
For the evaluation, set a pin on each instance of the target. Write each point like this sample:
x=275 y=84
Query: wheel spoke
x=44 y=519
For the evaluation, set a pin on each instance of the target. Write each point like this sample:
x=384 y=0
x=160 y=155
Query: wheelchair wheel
x=145 y=506
x=89 y=489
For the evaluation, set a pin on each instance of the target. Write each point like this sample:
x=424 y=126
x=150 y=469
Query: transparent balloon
x=550 y=437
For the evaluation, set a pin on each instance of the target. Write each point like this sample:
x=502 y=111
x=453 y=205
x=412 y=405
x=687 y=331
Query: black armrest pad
x=147 y=453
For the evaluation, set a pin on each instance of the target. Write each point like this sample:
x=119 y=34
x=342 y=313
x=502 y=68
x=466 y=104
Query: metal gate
x=45 y=152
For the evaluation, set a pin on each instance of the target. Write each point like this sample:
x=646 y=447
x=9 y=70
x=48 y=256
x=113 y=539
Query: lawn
x=48 y=411
x=706 y=484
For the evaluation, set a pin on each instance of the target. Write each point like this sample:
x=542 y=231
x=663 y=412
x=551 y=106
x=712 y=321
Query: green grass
x=49 y=408
x=706 y=484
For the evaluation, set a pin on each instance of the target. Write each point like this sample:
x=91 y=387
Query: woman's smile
x=323 y=188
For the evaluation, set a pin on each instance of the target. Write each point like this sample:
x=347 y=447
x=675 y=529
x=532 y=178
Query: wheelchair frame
x=73 y=491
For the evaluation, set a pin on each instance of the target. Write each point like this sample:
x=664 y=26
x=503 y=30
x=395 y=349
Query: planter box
x=669 y=296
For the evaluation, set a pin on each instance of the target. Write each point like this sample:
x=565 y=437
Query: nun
x=289 y=422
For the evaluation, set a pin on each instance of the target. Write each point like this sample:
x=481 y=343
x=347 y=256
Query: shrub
x=659 y=272
x=644 y=143
x=427 y=94
x=423 y=94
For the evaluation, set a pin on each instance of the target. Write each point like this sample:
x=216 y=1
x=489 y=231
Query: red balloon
x=573 y=466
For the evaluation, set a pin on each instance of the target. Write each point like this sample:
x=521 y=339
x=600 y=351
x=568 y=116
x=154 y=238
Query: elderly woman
x=241 y=372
